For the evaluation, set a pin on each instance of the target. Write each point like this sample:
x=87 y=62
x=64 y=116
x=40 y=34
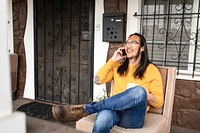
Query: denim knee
x=140 y=91
x=105 y=120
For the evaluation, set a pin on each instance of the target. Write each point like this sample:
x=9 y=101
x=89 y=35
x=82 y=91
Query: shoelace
x=76 y=109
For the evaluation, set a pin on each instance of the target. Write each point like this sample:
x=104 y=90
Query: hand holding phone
x=123 y=52
x=119 y=55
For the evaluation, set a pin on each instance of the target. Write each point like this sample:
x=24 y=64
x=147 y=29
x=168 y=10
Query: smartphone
x=123 y=52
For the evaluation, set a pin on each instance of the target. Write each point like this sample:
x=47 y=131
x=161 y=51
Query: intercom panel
x=113 y=27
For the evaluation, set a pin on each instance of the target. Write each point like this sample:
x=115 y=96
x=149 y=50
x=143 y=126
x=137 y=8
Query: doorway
x=64 y=37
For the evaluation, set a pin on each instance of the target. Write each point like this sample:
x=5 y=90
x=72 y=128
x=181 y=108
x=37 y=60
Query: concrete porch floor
x=35 y=125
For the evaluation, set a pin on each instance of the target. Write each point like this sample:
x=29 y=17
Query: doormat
x=38 y=110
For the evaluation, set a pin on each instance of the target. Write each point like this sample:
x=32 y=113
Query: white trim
x=100 y=47
x=10 y=28
x=188 y=78
x=193 y=29
x=29 y=91
x=133 y=23
x=187 y=75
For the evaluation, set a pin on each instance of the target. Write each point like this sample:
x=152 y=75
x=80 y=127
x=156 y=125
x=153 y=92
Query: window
x=172 y=31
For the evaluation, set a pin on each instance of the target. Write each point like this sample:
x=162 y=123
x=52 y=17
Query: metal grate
x=63 y=57
x=172 y=32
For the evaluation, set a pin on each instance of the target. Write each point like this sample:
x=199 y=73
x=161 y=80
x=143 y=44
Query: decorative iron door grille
x=171 y=28
x=64 y=50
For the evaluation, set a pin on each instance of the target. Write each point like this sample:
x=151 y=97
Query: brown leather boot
x=68 y=113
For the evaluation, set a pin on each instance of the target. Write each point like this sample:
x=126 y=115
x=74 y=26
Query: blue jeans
x=126 y=110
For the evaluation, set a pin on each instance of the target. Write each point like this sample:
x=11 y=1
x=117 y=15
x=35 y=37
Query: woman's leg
x=105 y=120
x=125 y=100
x=133 y=117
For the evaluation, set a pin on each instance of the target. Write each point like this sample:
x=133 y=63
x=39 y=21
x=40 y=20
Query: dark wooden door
x=64 y=50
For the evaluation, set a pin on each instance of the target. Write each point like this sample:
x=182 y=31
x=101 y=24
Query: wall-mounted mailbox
x=113 y=27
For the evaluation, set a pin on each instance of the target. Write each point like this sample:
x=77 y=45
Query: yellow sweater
x=152 y=80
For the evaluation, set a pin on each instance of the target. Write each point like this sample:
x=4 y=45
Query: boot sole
x=56 y=116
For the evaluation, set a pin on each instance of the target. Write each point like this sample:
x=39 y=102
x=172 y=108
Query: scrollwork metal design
x=181 y=37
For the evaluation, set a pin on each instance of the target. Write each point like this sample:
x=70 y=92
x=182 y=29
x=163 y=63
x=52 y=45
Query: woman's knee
x=139 y=90
x=105 y=120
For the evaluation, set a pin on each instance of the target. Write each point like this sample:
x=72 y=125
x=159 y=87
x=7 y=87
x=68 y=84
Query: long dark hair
x=144 y=62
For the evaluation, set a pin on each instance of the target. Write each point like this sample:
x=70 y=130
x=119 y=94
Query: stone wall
x=19 y=26
x=186 y=109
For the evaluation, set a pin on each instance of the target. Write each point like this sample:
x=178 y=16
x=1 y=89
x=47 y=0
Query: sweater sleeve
x=156 y=88
x=105 y=73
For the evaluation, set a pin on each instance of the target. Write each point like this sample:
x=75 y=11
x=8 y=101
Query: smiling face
x=133 y=47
